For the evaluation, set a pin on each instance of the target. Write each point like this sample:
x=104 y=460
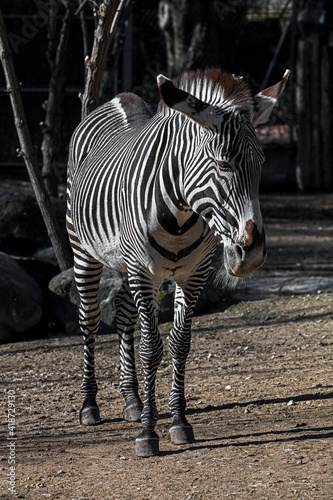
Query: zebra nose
x=244 y=251
x=240 y=252
x=243 y=260
x=252 y=241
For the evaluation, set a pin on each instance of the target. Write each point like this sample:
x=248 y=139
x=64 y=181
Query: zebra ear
x=179 y=100
x=265 y=101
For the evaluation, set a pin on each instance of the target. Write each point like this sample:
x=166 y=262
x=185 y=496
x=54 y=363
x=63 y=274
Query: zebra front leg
x=126 y=318
x=87 y=276
x=181 y=431
x=144 y=291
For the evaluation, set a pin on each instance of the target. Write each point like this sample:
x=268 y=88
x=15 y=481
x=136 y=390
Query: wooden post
x=315 y=164
x=326 y=124
x=314 y=101
x=304 y=117
x=28 y=153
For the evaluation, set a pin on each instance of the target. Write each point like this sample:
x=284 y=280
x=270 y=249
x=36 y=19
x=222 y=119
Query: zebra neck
x=172 y=212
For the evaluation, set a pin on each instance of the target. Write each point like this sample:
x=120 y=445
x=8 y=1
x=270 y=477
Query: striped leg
x=179 y=346
x=87 y=276
x=87 y=272
x=126 y=318
x=144 y=291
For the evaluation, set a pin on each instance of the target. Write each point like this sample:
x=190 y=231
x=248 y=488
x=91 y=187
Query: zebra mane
x=217 y=88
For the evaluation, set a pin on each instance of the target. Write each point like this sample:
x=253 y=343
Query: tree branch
x=28 y=153
x=53 y=106
x=110 y=14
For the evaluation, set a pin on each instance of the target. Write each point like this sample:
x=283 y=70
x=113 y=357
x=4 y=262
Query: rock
x=22 y=229
x=166 y=297
x=21 y=300
x=20 y=220
x=307 y=284
x=42 y=266
x=46 y=255
x=262 y=286
x=23 y=235
x=212 y=298
x=64 y=300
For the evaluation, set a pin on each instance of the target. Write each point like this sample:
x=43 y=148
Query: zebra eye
x=224 y=166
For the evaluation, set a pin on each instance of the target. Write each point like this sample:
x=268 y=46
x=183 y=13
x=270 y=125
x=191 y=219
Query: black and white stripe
x=151 y=196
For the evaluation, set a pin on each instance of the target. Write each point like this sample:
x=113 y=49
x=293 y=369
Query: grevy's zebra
x=150 y=196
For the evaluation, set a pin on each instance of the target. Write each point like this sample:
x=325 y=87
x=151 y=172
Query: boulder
x=22 y=229
x=42 y=266
x=64 y=300
x=263 y=286
x=21 y=299
x=213 y=298
x=23 y=235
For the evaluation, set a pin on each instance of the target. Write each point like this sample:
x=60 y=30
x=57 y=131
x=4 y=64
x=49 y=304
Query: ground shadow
x=250 y=439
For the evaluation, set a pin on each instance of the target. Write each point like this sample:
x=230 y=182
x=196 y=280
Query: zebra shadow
x=257 y=439
x=256 y=402
x=300 y=432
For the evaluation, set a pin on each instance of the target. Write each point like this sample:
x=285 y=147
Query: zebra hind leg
x=87 y=276
x=126 y=318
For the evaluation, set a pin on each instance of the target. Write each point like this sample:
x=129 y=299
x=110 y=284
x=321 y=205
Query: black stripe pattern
x=150 y=196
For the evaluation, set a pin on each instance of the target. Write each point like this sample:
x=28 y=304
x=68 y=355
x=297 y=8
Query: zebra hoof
x=181 y=432
x=132 y=411
x=89 y=414
x=147 y=444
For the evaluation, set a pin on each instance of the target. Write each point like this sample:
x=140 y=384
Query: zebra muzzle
x=246 y=255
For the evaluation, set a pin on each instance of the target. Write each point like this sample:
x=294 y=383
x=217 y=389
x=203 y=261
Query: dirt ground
x=259 y=391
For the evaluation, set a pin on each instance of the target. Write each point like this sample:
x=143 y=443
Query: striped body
x=114 y=196
x=150 y=196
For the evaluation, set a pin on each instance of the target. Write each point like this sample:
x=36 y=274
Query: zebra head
x=222 y=171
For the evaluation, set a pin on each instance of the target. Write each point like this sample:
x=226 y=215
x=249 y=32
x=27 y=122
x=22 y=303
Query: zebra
x=151 y=195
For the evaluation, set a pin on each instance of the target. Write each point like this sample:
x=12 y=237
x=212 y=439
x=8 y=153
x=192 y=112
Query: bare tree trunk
x=53 y=106
x=97 y=62
x=165 y=24
x=172 y=18
x=110 y=14
x=84 y=29
x=28 y=153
